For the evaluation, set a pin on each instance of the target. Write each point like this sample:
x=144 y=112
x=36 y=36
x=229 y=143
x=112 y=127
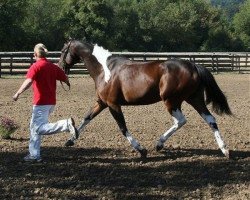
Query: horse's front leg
x=93 y=112
x=118 y=116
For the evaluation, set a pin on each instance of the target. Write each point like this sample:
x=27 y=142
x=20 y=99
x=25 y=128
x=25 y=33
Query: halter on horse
x=120 y=81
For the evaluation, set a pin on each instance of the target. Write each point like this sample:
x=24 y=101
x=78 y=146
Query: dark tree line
x=132 y=25
x=229 y=7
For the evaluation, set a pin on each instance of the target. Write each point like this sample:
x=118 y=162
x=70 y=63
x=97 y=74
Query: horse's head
x=67 y=59
x=72 y=53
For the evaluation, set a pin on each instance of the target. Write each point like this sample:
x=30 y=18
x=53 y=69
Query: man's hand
x=26 y=84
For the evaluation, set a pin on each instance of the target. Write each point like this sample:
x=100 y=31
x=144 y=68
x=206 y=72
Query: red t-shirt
x=44 y=75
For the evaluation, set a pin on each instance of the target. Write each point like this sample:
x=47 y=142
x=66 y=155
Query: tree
x=87 y=19
x=133 y=25
x=11 y=33
x=125 y=31
x=241 y=24
x=42 y=24
x=176 y=25
x=229 y=7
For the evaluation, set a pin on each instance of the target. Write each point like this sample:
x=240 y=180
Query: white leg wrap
x=219 y=140
x=82 y=125
x=179 y=121
x=81 y=128
x=211 y=122
x=135 y=144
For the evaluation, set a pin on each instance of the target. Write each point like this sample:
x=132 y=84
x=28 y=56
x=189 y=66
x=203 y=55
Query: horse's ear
x=70 y=39
x=84 y=39
x=85 y=36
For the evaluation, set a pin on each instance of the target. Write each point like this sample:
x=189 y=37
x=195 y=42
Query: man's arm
x=26 y=84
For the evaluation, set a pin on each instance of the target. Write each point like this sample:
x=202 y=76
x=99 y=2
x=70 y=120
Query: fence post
x=11 y=64
x=144 y=57
x=246 y=60
x=31 y=59
x=217 y=65
x=213 y=62
x=0 y=67
x=191 y=58
x=232 y=61
x=230 y=57
x=239 y=63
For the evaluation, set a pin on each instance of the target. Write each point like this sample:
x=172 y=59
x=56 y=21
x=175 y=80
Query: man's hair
x=41 y=50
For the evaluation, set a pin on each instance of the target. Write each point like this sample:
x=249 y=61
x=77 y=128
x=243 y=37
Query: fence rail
x=12 y=63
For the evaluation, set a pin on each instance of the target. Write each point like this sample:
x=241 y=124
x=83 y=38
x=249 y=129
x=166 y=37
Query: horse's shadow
x=125 y=175
x=18 y=139
x=116 y=156
x=179 y=153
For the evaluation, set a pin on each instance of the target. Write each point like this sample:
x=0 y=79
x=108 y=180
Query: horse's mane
x=116 y=60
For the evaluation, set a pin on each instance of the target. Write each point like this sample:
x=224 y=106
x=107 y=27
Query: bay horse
x=122 y=82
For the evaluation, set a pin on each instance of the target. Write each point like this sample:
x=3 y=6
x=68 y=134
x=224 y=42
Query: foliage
x=127 y=33
x=241 y=24
x=176 y=25
x=42 y=23
x=120 y=25
x=87 y=19
x=7 y=127
x=229 y=7
x=11 y=33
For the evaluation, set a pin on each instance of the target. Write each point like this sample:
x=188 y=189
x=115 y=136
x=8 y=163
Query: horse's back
x=136 y=83
x=114 y=62
x=149 y=82
x=179 y=80
x=121 y=62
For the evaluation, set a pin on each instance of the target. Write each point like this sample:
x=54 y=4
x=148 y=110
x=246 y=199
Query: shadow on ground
x=75 y=173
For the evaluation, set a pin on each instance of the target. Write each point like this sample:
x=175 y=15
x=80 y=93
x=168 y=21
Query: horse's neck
x=93 y=66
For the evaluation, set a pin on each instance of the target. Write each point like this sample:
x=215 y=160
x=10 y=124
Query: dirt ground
x=102 y=165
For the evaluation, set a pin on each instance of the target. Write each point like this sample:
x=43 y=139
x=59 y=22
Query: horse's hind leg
x=199 y=105
x=179 y=121
x=118 y=116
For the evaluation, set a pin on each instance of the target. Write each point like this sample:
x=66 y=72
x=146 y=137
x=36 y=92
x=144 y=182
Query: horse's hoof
x=69 y=143
x=143 y=153
x=159 y=147
x=226 y=153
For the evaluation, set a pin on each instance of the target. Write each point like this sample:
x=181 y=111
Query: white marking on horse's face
x=101 y=55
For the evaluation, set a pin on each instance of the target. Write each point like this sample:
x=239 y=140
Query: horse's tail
x=213 y=92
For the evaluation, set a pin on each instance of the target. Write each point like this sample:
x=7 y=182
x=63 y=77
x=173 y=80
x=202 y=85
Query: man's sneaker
x=72 y=129
x=30 y=158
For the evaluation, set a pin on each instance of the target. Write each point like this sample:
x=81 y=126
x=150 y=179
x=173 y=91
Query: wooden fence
x=15 y=63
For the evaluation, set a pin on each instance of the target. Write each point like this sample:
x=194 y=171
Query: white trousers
x=39 y=125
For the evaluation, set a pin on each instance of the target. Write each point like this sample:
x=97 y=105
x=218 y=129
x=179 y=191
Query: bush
x=7 y=127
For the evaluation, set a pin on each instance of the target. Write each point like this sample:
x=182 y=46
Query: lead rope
x=64 y=63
